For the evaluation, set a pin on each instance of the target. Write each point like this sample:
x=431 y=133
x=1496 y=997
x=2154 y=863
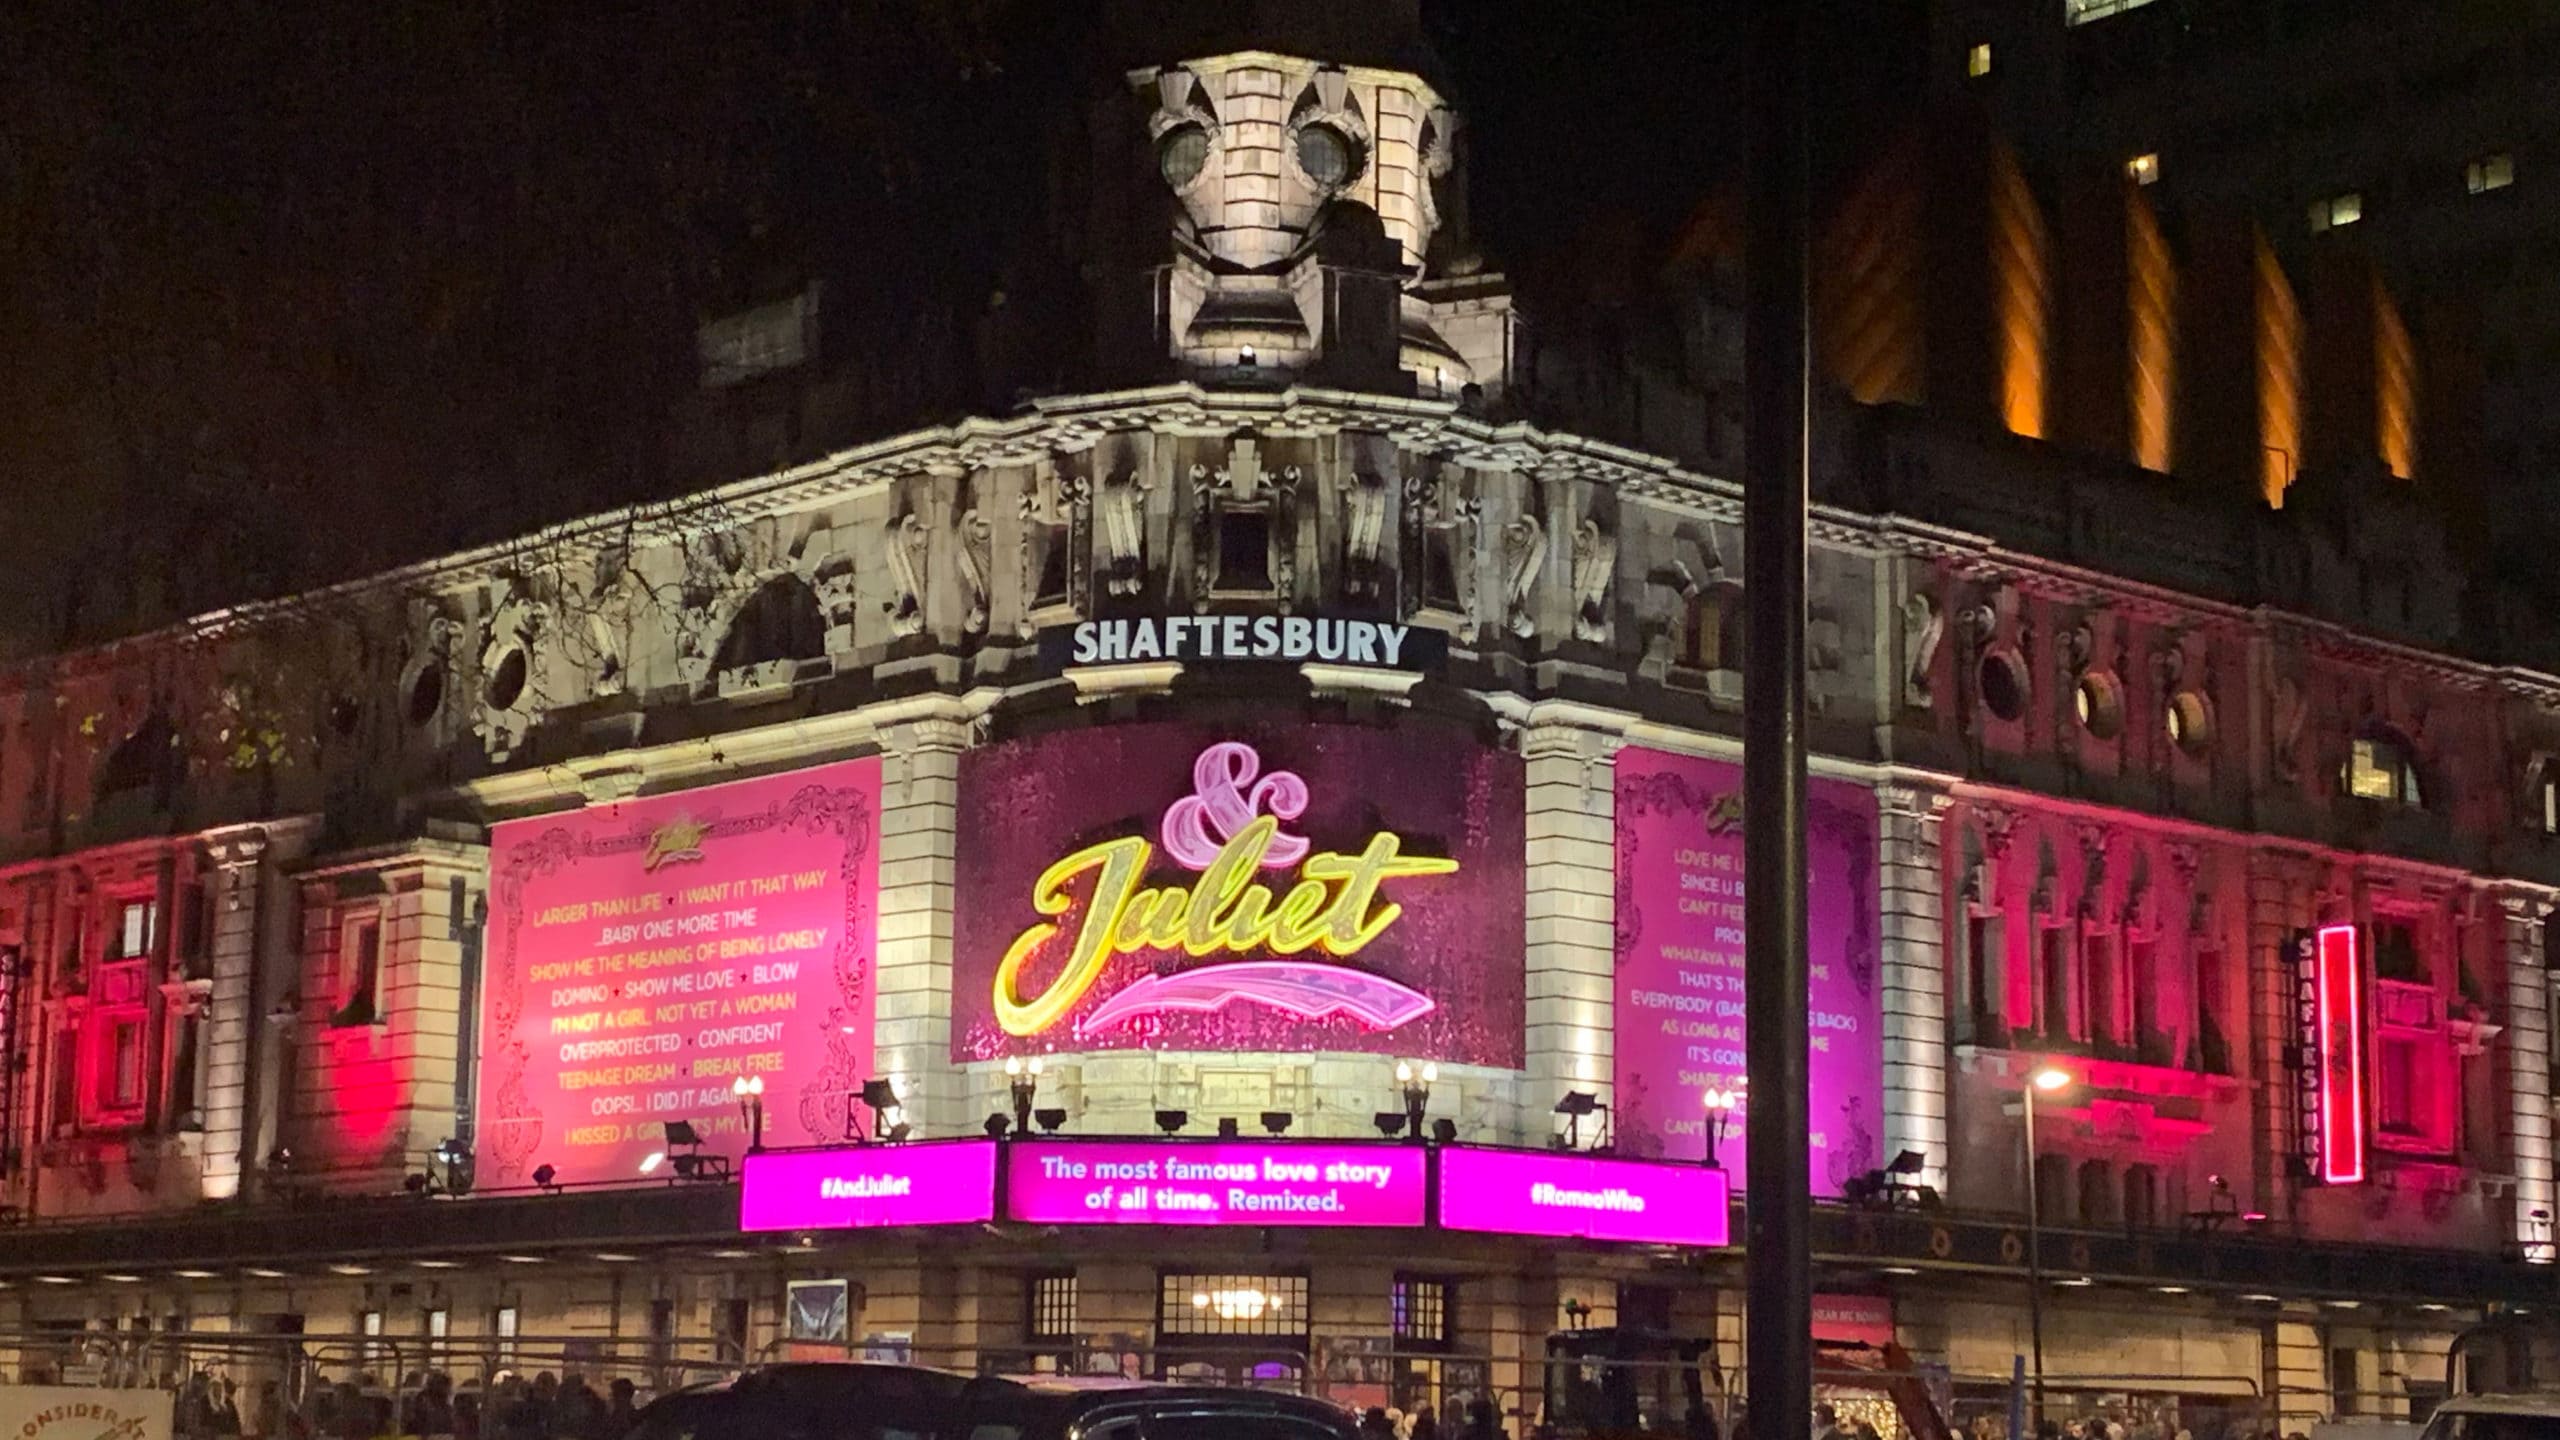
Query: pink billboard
x=1227 y=1182
x=947 y=1182
x=646 y=957
x=1252 y=886
x=1539 y=1192
x=1679 y=975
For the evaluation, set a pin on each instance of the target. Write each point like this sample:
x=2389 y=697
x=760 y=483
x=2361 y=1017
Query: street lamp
x=1417 y=1092
x=2048 y=1079
x=1024 y=1079
x=1720 y=1107
x=748 y=1090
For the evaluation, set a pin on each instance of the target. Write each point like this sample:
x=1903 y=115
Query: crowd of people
x=547 y=1407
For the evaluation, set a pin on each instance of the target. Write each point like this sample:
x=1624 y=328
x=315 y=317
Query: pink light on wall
x=2338 y=986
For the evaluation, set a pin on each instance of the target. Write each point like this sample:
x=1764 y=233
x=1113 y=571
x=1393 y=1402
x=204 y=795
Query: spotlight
x=1445 y=1130
x=688 y=1167
x=1575 y=1105
x=681 y=1132
x=1276 y=1122
x=879 y=1094
x=899 y=1132
x=548 y=1179
x=997 y=1124
x=1909 y=1162
x=1051 y=1120
x=1170 y=1121
x=1390 y=1123
x=1228 y=1129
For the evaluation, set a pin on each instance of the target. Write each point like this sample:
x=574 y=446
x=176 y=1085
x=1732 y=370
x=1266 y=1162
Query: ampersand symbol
x=1199 y=824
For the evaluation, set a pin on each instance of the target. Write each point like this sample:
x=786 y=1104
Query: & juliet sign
x=1245 y=639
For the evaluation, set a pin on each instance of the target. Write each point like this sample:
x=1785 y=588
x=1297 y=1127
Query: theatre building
x=1236 y=869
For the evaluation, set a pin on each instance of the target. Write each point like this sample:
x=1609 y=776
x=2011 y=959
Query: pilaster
x=1572 y=906
x=919 y=830
x=2280 y=902
x=1913 y=973
x=2527 y=1131
x=233 y=857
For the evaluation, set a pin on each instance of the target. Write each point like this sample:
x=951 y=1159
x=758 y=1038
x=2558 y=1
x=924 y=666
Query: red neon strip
x=2342 y=1117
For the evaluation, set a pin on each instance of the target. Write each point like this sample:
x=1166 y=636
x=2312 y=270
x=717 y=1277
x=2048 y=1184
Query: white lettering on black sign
x=1273 y=639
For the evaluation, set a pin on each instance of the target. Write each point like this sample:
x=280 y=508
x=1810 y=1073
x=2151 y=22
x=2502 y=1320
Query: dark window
x=359 y=972
x=2105 y=987
x=2141 y=1197
x=781 y=621
x=1244 y=552
x=729 y=1335
x=2097 y=1193
x=2213 y=1045
x=2397 y=955
x=1420 y=1309
x=2343 y=1395
x=2142 y=966
x=1440 y=561
x=2056 y=981
x=124 y=1072
x=1986 y=946
x=1050 y=545
x=1051 y=1300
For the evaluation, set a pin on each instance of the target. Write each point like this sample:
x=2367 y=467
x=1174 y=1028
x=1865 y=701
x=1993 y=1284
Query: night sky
x=285 y=301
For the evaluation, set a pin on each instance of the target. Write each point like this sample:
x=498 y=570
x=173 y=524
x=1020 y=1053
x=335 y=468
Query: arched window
x=2382 y=765
x=781 y=621
x=147 y=759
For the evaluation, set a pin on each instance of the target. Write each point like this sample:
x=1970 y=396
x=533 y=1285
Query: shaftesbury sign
x=1230 y=639
x=2329 y=1013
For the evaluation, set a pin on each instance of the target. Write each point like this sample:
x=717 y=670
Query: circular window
x=2190 y=722
x=426 y=693
x=2004 y=686
x=1325 y=154
x=1181 y=153
x=343 y=715
x=506 y=683
x=2099 y=702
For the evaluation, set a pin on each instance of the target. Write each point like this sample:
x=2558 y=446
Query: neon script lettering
x=1228 y=831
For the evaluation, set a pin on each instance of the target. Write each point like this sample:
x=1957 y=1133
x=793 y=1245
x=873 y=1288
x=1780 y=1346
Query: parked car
x=905 y=1402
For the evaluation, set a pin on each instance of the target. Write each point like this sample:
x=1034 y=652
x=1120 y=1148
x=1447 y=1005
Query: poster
x=1244 y=887
x=646 y=957
x=1679 y=972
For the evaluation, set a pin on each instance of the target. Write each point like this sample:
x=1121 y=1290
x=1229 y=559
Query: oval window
x=1181 y=153
x=2004 y=686
x=1325 y=154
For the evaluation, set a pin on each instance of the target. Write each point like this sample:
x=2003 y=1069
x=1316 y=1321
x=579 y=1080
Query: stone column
x=1913 y=976
x=2280 y=902
x=919 y=824
x=231 y=1018
x=2528 y=1021
x=1572 y=911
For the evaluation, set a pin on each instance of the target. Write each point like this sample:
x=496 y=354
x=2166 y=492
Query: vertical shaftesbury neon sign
x=2330 y=1007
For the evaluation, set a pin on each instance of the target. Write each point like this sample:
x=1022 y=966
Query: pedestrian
x=623 y=1411
x=1425 y=1424
x=1374 y=1425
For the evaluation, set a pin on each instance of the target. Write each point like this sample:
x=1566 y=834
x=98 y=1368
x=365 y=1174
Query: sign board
x=1248 y=887
x=1583 y=1197
x=1226 y=1182
x=646 y=956
x=2329 y=995
x=1680 y=1015
x=947 y=1182
x=1245 y=639
x=66 y=1412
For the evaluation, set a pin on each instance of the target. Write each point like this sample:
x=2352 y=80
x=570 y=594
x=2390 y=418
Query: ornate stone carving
x=1924 y=626
x=1595 y=565
x=977 y=563
x=1120 y=512
x=1364 y=532
x=2289 y=711
x=907 y=541
x=1524 y=553
x=511 y=672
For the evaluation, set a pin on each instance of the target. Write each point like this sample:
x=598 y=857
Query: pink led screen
x=645 y=956
x=1253 y=886
x=1176 y=1182
x=1679 y=975
x=1531 y=1192
x=949 y=1182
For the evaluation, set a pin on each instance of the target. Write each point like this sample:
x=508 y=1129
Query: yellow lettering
x=1119 y=862
x=1335 y=904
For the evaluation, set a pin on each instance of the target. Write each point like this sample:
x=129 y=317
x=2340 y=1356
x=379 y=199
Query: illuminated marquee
x=1228 y=833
